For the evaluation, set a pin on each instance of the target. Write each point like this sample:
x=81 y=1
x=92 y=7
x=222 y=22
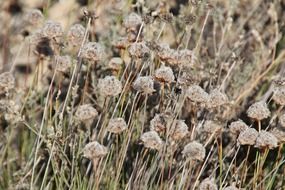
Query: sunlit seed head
x=144 y=84
x=158 y=123
x=110 y=86
x=75 y=35
x=197 y=94
x=258 y=111
x=139 y=50
x=195 y=151
x=180 y=130
x=266 y=140
x=152 y=140
x=34 y=17
x=237 y=127
x=115 y=63
x=212 y=127
x=217 y=98
x=63 y=63
x=94 y=150
x=132 y=21
x=279 y=95
x=248 y=137
x=164 y=74
x=7 y=82
x=279 y=133
x=52 y=29
x=117 y=125
x=86 y=112
x=93 y=51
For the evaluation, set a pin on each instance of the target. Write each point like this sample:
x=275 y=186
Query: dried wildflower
x=151 y=140
x=279 y=95
x=208 y=184
x=197 y=94
x=237 y=127
x=93 y=51
x=248 y=137
x=180 y=130
x=63 y=63
x=282 y=120
x=279 y=133
x=139 y=50
x=121 y=43
x=266 y=140
x=75 y=35
x=115 y=63
x=164 y=74
x=132 y=21
x=195 y=151
x=232 y=187
x=7 y=82
x=94 y=150
x=52 y=29
x=211 y=127
x=110 y=86
x=258 y=111
x=176 y=57
x=86 y=113
x=117 y=125
x=144 y=84
x=217 y=98
x=34 y=17
x=159 y=122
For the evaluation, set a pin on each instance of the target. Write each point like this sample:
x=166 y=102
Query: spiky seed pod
x=180 y=130
x=94 y=150
x=109 y=86
x=139 y=50
x=63 y=63
x=217 y=98
x=117 y=125
x=248 y=137
x=164 y=74
x=282 y=120
x=232 y=187
x=159 y=122
x=208 y=184
x=211 y=127
x=86 y=113
x=7 y=82
x=75 y=35
x=258 y=111
x=279 y=95
x=52 y=29
x=34 y=17
x=279 y=133
x=151 y=140
x=144 y=84
x=195 y=151
x=197 y=94
x=132 y=21
x=115 y=63
x=237 y=127
x=266 y=140
x=93 y=51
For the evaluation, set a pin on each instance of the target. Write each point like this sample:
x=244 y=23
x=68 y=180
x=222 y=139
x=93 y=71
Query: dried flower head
x=63 y=63
x=282 y=120
x=217 y=98
x=176 y=57
x=279 y=95
x=180 y=130
x=266 y=140
x=52 y=29
x=144 y=84
x=132 y=21
x=75 y=35
x=115 y=63
x=208 y=184
x=139 y=50
x=279 y=133
x=34 y=17
x=211 y=127
x=258 y=111
x=117 y=125
x=232 y=187
x=110 y=86
x=195 y=151
x=93 y=51
x=159 y=122
x=7 y=82
x=94 y=150
x=86 y=113
x=248 y=137
x=151 y=140
x=237 y=127
x=164 y=74
x=197 y=94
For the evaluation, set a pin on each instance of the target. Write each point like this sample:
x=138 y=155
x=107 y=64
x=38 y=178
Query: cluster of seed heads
x=159 y=122
x=86 y=113
x=34 y=17
x=180 y=130
x=217 y=98
x=248 y=136
x=266 y=140
x=109 y=86
x=139 y=50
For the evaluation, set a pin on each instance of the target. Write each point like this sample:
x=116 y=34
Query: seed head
x=93 y=51
x=34 y=17
x=144 y=84
x=282 y=120
x=139 y=50
x=115 y=63
x=279 y=133
x=232 y=187
x=180 y=130
x=237 y=127
x=164 y=74
x=86 y=112
x=195 y=151
x=159 y=122
x=94 y=150
x=258 y=111
x=208 y=184
x=151 y=140
x=197 y=94
x=7 y=82
x=248 y=137
x=217 y=98
x=266 y=140
x=75 y=35
x=110 y=86
x=211 y=127
x=52 y=29
x=117 y=125
x=279 y=95
x=63 y=63
x=132 y=21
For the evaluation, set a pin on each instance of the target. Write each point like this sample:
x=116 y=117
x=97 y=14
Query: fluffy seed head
x=115 y=63
x=159 y=122
x=282 y=120
x=279 y=95
x=232 y=187
x=75 y=35
x=237 y=127
x=138 y=50
x=151 y=140
x=93 y=51
x=211 y=127
x=86 y=112
x=217 y=98
x=7 y=82
x=266 y=140
x=197 y=94
x=180 y=130
x=208 y=184
x=94 y=150
x=117 y=125
x=110 y=86
x=248 y=137
x=52 y=29
x=164 y=74
x=279 y=133
x=132 y=21
x=34 y=17
x=258 y=111
x=144 y=84
x=195 y=151
x=63 y=63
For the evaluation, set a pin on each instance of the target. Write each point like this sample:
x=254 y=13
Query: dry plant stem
x=16 y=57
x=273 y=118
x=47 y=167
x=244 y=170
